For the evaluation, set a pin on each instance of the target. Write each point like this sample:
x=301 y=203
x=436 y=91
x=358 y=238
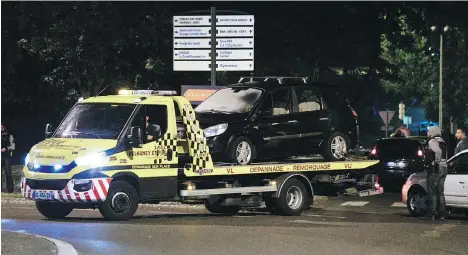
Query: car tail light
x=374 y=151
x=377 y=184
x=420 y=153
x=353 y=111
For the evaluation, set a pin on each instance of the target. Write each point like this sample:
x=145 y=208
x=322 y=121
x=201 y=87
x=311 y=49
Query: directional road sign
x=227 y=65
x=227 y=54
x=205 y=43
x=234 y=36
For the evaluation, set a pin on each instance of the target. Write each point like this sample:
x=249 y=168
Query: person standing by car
x=8 y=146
x=436 y=161
x=461 y=135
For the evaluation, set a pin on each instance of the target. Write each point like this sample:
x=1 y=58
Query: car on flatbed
x=114 y=152
x=278 y=117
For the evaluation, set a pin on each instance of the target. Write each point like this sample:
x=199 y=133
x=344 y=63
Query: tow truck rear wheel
x=54 y=210
x=292 y=200
x=121 y=202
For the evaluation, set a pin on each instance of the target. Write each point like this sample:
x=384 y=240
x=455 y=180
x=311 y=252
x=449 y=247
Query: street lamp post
x=441 y=52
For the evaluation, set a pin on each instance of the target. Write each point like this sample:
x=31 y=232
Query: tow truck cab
x=114 y=152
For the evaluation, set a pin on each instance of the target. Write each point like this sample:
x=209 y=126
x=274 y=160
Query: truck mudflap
x=75 y=190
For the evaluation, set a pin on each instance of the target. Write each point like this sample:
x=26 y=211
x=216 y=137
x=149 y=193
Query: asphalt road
x=351 y=225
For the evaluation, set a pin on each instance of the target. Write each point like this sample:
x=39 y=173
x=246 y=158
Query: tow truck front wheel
x=293 y=198
x=121 y=202
x=54 y=210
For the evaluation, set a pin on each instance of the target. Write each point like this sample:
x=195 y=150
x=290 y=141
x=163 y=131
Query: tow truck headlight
x=215 y=130
x=92 y=160
x=26 y=159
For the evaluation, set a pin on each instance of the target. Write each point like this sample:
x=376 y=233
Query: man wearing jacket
x=8 y=146
x=462 y=136
x=436 y=162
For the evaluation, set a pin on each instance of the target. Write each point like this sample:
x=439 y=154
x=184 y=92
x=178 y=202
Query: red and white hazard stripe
x=97 y=193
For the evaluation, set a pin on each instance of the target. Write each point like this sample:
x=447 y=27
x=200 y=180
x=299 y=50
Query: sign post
x=386 y=116
x=213 y=46
x=213 y=43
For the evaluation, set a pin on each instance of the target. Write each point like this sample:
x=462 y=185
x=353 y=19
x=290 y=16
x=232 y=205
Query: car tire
x=54 y=210
x=417 y=203
x=293 y=198
x=335 y=143
x=242 y=151
x=125 y=207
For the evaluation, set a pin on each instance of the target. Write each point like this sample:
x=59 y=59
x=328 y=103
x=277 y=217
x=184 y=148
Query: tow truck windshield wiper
x=74 y=133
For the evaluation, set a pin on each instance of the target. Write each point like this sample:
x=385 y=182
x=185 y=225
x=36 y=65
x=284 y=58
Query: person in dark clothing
x=461 y=135
x=153 y=131
x=8 y=146
x=436 y=162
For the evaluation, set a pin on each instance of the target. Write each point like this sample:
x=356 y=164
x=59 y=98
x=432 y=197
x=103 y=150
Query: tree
x=413 y=72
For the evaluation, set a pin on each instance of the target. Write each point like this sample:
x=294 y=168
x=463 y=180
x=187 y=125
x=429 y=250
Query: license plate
x=43 y=195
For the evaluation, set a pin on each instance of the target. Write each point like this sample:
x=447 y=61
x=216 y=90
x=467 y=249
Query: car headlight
x=92 y=160
x=215 y=130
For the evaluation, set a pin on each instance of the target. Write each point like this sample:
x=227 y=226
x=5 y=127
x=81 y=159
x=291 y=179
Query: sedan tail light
x=420 y=153
x=374 y=151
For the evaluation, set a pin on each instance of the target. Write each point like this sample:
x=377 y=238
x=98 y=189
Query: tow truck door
x=156 y=163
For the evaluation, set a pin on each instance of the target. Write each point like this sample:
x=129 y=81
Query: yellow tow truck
x=143 y=146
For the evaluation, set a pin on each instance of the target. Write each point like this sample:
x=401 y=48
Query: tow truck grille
x=47 y=184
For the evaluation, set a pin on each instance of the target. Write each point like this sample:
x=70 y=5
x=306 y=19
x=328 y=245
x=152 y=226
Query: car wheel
x=417 y=203
x=242 y=151
x=54 y=210
x=121 y=202
x=336 y=147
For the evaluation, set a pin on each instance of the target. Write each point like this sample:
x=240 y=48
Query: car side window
x=266 y=106
x=282 y=102
x=308 y=99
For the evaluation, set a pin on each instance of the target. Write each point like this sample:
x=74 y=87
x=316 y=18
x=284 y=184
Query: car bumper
x=72 y=191
x=404 y=192
x=217 y=144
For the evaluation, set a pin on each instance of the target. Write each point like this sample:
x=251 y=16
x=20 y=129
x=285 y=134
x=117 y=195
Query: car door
x=456 y=188
x=311 y=115
x=154 y=163
x=276 y=123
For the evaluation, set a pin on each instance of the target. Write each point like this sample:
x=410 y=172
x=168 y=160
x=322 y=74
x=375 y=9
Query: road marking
x=63 y=248
x=325 y=216
x=355 y=203
x=398 y=204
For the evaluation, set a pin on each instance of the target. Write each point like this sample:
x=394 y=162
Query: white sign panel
x=234 y=31
x=192 y=32
x=222 y=20
x=386 y=116
x=192 y=54
x=220 y=54
x=204 y=43
x=247 y=65
x=192 y=20
x=235 y=20
x=235 y=54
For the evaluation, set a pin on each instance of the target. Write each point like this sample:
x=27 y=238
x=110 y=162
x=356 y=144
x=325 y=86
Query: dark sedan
x=399 y=158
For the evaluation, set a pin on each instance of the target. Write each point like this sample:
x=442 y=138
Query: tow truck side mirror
x=136 y=139
x=48 y=131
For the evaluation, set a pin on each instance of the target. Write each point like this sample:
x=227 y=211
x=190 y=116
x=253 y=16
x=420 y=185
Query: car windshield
x=230 y=100
x=398 y=148
x=95 y=121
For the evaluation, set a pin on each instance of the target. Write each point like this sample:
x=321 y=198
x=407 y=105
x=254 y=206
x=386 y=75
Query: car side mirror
x=48 y=131
x=136 y=137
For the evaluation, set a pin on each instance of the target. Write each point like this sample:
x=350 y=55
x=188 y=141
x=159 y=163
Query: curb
x=63 y=248
x=177 y=205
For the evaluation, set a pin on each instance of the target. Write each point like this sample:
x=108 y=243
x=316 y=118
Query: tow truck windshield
x=230 y=100
x=95 y=121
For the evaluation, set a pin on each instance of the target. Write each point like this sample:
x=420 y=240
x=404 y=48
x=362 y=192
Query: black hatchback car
x=277 y=118
x=399 y=158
